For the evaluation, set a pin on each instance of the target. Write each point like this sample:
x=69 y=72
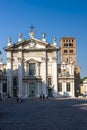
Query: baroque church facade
x=32 y=69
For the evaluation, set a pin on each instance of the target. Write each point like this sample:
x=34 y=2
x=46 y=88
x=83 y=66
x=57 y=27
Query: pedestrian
x=40 y=96
x=43 y=97
x=17 y=99
x=21 y=99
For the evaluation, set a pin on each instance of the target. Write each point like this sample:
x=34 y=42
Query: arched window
x=65 y=51
x=71 y=51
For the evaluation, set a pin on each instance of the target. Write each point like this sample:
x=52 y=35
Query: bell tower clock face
x=32 y=44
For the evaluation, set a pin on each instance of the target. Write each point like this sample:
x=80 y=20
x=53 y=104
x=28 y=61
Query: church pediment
x=31 y=43
x=32 y=60
x=34 y=44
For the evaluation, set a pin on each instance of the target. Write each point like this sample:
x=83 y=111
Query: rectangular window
x=68 y=87
x=4 y=87
x=70 y=45
x=49 y=81
x=65 y=45
x=31 y=69
x=65 y=51
x=71 y=51
x=59 y=87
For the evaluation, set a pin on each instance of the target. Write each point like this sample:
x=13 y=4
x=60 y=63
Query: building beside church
x=3 y=78
x=83 y=88
x=72 y=70
x=32 y=68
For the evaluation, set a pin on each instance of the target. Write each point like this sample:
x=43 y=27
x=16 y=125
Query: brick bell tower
x=68 y=49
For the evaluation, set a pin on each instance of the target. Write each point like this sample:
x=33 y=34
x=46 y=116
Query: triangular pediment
x=34 y=44
x=32 y=60
x=31 y=43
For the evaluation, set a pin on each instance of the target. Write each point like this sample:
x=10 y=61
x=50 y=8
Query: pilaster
x=26 y=90
x=72 y=89
x=55 y=77
x=9 y=76
x=20 y=76
x=38 y=69
x=64 y=88
x=38 y=89
x=1 y=91
x=44 y=77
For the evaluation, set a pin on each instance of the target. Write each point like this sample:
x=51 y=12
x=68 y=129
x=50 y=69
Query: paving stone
x=50 y=114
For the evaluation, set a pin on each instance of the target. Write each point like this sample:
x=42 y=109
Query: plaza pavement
x=48 y=114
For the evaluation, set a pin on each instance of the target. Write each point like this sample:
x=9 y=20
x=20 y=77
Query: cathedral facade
x=32 y=69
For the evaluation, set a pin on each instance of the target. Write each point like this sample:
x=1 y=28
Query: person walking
x=43 y=97
x=17 y=99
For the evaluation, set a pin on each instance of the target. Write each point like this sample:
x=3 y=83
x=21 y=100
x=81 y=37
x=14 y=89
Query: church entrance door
x=50 y=92
x=32 y=89
x=14 y=92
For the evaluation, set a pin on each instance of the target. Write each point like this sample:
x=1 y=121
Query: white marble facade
x=66 y=79
x=32 y=69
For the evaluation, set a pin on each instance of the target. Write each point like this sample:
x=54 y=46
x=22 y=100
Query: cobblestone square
x=48 y=114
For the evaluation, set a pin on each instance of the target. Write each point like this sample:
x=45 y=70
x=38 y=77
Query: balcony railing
x=65 y=76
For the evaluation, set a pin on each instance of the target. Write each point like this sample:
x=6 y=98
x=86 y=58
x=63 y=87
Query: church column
x=38 y=89
x=38 y=69
x=55 y=77
x=26 y=90
x=9 y=76
x=20 y=77
x=44 y=77
x=26 y=69
x=26 y=82
x=64 y=87
x=9 y=69
x=1 y=90
x=72 y=89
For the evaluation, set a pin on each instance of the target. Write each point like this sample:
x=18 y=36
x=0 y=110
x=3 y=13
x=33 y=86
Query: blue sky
x=58 y=18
